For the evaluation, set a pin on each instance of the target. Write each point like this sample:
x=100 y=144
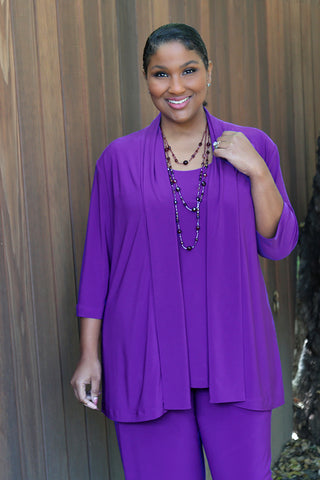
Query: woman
x=179 y=213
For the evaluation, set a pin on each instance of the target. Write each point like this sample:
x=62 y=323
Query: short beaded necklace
x=176 y=190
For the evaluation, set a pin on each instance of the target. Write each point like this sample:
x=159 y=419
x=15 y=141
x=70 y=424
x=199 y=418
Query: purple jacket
x=130 y=278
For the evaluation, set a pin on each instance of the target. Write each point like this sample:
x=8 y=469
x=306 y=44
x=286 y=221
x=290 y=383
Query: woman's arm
x=88 y=371
x=268 y=203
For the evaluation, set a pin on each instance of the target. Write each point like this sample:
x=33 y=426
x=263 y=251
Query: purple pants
x=237 y=443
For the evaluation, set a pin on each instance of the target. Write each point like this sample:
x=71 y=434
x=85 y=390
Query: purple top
x=194 y=277
x=131 y=279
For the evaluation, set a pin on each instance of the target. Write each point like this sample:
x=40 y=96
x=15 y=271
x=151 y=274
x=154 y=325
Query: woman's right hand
x=88 y=372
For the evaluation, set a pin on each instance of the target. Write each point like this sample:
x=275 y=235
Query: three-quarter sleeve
x=286 y=236
x=95 y=264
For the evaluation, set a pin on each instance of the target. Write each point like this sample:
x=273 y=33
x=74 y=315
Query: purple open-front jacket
x=131 y=279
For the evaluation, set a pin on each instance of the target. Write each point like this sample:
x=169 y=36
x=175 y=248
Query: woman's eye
x=189 y=70
x=160 y=74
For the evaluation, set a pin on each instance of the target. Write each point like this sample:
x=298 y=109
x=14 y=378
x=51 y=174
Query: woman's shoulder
x=126 y=146
x=253 y=133
x=259 y=139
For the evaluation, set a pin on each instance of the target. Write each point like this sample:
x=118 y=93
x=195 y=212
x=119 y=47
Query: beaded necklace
x=176 y=189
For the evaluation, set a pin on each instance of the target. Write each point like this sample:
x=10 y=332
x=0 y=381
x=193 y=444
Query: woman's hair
x=171 y=32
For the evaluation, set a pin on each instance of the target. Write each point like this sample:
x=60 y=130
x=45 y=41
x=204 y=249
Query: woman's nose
x=176 y=85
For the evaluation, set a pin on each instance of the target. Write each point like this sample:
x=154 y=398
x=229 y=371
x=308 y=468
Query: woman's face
x=178 y=80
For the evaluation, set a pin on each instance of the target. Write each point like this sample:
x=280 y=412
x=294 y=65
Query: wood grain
x=70 y=83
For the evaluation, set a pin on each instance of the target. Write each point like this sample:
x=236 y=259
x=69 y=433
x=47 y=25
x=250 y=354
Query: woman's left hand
x=239 y=151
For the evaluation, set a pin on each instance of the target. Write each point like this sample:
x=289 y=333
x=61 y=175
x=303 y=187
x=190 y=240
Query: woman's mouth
x=178 y=103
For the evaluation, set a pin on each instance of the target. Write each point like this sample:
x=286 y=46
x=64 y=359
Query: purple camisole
x=193 y=277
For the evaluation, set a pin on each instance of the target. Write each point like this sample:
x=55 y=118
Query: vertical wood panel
x=49 y=408
x=71 y=82
x=18 y=325
x=315 y=35
x=128 y=60
x=111 y=69
x=308 y=92
x=10 y=273
x=220 y=51
x=298 y=108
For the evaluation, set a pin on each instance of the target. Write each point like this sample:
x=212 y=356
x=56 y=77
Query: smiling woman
x=178 y=82
x=171 y=278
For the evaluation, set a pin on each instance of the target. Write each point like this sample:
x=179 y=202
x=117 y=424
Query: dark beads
x=176 y=189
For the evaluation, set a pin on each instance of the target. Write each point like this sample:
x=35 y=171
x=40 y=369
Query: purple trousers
x=237 y=443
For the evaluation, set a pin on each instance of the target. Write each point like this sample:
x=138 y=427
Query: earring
x=209 y=84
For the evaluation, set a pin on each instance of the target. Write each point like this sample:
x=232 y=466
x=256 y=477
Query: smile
x=179 y=102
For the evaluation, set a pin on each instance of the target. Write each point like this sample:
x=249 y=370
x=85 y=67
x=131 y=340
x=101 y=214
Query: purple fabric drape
x=130 y=278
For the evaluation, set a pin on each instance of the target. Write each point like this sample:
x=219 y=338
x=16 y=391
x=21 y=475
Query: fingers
x=90 y=399
x=85 y=383
x=95 y=390
x=91 y=402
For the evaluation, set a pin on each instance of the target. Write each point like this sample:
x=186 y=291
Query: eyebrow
x=182 y=66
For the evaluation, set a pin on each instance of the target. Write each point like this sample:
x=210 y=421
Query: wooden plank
x=315 y=36
x=33 y=462
x=177 y=12
x=128 y=61
x=205 y=30
x=50 y=407
x=298 y=132
x=75 y=109
x=116 y=470
x=283 y=136
x=236 y=11
x=9 y=273
x=220 y=51
x=160 y=13
x=250 y=71
x=9 y=418
x=94 y=80
x=262 y=46
x=72 y=421
x=144 y=28
x=192 y=14
x=110 y=69
x=308 y=94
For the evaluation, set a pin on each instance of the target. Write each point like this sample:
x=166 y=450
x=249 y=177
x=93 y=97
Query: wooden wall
x=70 y=82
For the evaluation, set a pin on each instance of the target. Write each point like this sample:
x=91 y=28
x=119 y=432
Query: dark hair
x=171 y=32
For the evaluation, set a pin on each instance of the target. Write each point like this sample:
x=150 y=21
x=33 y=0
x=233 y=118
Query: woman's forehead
x=174 y=52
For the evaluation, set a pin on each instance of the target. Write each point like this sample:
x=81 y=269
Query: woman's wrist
x=89 y=338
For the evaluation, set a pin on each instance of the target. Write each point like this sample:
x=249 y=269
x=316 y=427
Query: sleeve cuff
x=89 y=312
x=284 y=240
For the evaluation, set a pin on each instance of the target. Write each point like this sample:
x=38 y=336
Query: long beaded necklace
x=176 y=189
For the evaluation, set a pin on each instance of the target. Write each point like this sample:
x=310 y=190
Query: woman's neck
x=175 y=130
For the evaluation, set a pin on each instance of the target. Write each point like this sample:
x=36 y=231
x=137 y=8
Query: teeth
x=178 y=102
